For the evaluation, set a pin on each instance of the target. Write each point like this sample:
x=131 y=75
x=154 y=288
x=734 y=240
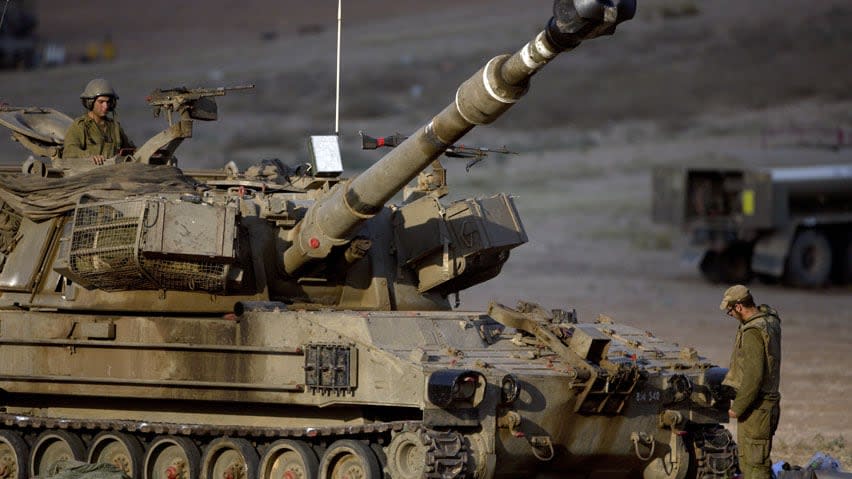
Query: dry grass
x=679 y=9
x=798 y=453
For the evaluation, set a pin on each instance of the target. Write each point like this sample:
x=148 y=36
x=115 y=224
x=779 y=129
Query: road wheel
x=171 y=457
x=407 y=456
x=13 y=456
x=847 y=265
x=119 y=449
x=286 y=459
x=229 y=457
x=809 y=262
x=53 y=446
x=349 y=459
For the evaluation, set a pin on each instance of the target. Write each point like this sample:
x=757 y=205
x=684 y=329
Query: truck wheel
x=733 y=265
x=849 y=261
x=844 y=264
x=711 y=267
x=809 y=262
x=736 y=263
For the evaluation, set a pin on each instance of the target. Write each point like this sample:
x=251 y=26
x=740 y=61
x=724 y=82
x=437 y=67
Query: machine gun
x=187 y=104
x=197 y=102
x=476 y=154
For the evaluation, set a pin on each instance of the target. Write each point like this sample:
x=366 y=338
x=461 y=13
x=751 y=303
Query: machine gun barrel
x=480 y=100
x=179 y=95
x=454 y=151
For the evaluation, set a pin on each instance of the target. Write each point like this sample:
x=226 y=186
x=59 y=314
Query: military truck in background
x=18 y=41
x=789 y=224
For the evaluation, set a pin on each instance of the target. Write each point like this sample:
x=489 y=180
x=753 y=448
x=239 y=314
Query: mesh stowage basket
x=10 y=223
x=105 y=252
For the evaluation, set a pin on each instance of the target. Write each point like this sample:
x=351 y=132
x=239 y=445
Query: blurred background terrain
x=686 y=82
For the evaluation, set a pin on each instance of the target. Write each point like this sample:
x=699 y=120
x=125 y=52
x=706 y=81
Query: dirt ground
x=685 y=82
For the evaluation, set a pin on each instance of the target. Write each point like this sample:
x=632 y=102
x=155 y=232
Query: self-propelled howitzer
x=285 y=322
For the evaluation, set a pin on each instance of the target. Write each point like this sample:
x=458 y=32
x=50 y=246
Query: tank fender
x=770 y=252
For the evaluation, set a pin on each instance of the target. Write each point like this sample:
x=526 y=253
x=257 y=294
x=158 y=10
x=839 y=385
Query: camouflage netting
x=43 y=198
x=82 y=470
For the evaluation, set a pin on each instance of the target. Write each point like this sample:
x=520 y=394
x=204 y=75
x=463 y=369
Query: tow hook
x=542 y=447
x=646 y=440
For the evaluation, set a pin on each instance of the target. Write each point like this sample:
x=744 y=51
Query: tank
x=285 y=322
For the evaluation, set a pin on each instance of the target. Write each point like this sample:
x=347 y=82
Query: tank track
x=194 y=430
x=447 y=455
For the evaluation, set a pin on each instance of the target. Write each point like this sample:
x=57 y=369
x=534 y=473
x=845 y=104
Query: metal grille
x=330 y=368
x=103 y=245
x=105 y=253
x=185 y=275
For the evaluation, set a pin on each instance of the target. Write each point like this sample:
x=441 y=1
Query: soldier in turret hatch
x=96 y=134
x=755 y=374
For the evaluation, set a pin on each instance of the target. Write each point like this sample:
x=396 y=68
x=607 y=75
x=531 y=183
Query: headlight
x=456 y=387
x=509 y=389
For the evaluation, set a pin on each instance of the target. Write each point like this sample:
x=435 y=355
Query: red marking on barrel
x=314 y=243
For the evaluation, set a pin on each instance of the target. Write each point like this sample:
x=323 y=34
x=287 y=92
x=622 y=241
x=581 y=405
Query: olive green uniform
x=85 y=138
x=755 y=373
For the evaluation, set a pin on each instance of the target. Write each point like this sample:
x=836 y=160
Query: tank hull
x=251 y=376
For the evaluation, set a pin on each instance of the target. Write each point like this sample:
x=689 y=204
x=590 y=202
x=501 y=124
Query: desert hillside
x=685 y=82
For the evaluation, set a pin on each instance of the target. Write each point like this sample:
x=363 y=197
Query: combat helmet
x=95 y=88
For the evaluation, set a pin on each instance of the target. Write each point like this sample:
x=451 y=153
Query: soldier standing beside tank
x=755 y=374
x=96 y=134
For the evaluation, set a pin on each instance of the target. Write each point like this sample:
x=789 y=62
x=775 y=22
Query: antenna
x=325 y=149
x=337 y=92
x=3 y=17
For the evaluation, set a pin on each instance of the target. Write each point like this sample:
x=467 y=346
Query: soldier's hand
x=98 y=159
x=732 y=414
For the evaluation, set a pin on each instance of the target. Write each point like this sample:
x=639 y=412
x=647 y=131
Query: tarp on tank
x=82 y=470
x=40 y=198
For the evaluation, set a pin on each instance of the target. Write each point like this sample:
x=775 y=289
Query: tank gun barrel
x=480 y=100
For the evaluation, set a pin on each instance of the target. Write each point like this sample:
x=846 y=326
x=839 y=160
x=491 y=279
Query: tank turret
x=286 y=322
x=480 y=100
